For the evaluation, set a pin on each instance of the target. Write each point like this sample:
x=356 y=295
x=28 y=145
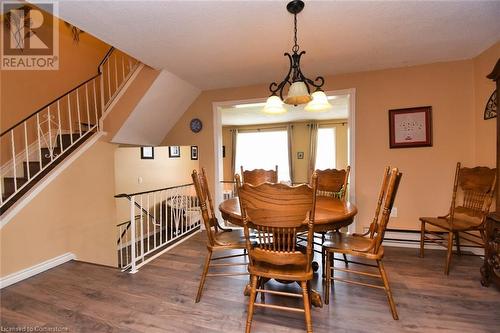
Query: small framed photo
x=147 y=153
x=410 y=127
x=300 y=155
x=174 y=151
x=194 y=152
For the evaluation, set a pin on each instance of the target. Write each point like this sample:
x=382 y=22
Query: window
x=325 y=149
x=263 y=150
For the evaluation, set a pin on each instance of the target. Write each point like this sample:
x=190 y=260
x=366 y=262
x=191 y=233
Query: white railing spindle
x=95 y=105
x=87 y=104
x=133 y=269
x=49 y=124
x=26 y=150
x=69 y=120
x=78 y=112
x=14 y=166
x=59 y=131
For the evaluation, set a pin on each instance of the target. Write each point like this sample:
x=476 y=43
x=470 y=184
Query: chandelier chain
x=295 y=47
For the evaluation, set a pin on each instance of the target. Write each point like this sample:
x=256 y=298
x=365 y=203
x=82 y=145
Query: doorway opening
x=246 y=136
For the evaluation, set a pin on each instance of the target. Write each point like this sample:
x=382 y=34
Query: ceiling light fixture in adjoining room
x=299 y=91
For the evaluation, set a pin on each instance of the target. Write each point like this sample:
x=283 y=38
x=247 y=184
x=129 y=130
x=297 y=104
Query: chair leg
x=251 y=301
x=345 y=260
x=387 y=290
x=262 y=282
x=422 y=237
x=328 y=277
x=323 y=261
x=457 y=242
x=307 y=306
x=203 y=276
x=450 y=252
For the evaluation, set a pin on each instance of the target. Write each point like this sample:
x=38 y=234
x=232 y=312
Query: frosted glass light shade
x=319 y=102
x=298 y=94
x=274 y=105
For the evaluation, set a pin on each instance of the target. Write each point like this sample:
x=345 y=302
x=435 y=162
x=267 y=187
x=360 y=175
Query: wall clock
x=490 y=111
x=196 y=125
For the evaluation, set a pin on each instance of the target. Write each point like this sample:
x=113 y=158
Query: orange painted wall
x=23 y=92
x=427 y=172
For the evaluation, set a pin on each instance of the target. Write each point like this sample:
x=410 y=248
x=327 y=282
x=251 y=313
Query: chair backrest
x=333 y=182
x=473 y=191
x=387 y=195
x=259 y=176
x=206 y=204
x=278 y=212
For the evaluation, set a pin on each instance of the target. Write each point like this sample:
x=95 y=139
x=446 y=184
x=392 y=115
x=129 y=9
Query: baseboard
x=36 y=269
x=411 y=239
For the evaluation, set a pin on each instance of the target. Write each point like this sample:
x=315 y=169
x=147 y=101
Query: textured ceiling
x=215 y=44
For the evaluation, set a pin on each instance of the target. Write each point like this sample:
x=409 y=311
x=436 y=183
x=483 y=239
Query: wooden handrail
x=125 y=195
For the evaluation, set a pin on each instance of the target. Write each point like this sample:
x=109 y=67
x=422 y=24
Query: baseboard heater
x=411 y=238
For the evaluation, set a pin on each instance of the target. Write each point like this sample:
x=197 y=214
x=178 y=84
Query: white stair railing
x=38 y=141
x=158 y=219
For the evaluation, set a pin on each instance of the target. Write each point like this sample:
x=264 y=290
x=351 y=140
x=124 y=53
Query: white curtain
x=313 y=139
x=234 y=138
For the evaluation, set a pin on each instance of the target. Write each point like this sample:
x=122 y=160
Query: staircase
x=37 y=144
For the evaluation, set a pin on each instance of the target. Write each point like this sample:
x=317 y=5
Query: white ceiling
x=215 y=44
x=252 y=114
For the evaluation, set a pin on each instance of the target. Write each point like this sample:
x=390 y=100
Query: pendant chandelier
x=299 y=86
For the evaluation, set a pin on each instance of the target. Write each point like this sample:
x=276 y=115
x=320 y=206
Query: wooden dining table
x=330 y=214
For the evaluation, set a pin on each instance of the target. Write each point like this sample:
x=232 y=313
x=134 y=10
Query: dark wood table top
x=331 y=213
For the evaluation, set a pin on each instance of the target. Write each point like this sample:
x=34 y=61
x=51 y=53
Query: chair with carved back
x=331 y=183
x=259 y=176
x=277 y=213
x=367 y=246
x=217 y=239
x=473 y=190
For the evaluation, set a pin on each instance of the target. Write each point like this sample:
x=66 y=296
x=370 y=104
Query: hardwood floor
x=80 y=297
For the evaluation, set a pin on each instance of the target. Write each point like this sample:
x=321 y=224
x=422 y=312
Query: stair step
x=66 y=139
x=9 y=184
x=34 y=168
x=9 y=181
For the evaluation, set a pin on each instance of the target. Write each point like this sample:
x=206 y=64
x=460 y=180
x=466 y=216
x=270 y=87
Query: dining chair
x=331 y=183
x=277 y=213
x=367 y=246
x=259 y=176
x=473 y=190
x=217 y=239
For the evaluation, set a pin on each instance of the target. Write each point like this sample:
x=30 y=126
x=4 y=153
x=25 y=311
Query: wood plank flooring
x=80 y=297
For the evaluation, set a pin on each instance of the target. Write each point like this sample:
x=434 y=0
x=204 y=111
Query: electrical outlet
x=139 y=180
x=394 y=212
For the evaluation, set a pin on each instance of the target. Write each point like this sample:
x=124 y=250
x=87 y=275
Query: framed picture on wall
x=174 y=151
x=147 y=153
x=194 y=152
x=411 y=127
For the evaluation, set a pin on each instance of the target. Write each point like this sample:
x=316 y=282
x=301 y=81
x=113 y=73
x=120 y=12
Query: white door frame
x=351 y=126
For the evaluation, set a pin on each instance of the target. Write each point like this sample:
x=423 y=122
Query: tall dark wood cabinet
x=490 y=270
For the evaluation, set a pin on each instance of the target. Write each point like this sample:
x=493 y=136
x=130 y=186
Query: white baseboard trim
x=43 y=183
x=412 y=239
x=36 y=269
